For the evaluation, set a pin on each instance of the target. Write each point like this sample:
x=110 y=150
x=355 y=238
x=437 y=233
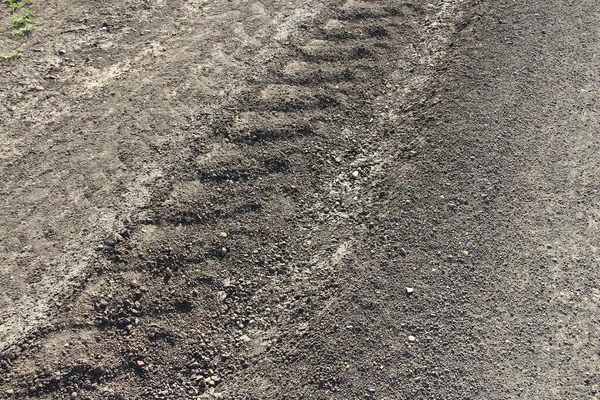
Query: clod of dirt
x=112 y=239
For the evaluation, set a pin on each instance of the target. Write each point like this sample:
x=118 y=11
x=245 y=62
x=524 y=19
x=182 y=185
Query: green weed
x=22 y=24
x=15 y=54
x=13 y=5
x=23 y=19
x=25 y=30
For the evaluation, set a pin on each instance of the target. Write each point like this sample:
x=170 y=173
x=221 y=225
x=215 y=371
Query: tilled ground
x=352 y=200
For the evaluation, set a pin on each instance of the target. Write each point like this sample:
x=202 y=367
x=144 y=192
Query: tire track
x=240 y=251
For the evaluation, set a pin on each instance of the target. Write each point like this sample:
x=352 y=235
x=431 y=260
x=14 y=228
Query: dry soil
x=238 y=199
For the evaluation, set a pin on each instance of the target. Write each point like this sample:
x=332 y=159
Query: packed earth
x=346 y=199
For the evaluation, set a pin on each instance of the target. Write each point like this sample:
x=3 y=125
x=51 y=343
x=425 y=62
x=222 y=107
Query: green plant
x=23 y=19
x=15 y=54
x=23 y=24
x=13 y=5
x=25 y=30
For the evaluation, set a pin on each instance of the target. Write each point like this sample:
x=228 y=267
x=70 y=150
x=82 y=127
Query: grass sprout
x=23 y=19
x=15 y=54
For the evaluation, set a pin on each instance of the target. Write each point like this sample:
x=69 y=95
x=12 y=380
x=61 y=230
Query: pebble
x=74 y=395
x=412 y=339
x=168 y=272
x=62 y=52
x=355 y=175
x=140 y=363
x=223 y=235
x=409 y=290
x=39 y=88
x=223 y=251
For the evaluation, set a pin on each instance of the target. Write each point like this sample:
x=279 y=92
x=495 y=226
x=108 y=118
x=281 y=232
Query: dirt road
x=282 y=200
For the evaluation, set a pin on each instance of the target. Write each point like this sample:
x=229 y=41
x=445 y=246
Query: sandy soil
x=319 y=200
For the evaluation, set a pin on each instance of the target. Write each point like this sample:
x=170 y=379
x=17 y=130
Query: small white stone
x=412 y=339
x=355 y=175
